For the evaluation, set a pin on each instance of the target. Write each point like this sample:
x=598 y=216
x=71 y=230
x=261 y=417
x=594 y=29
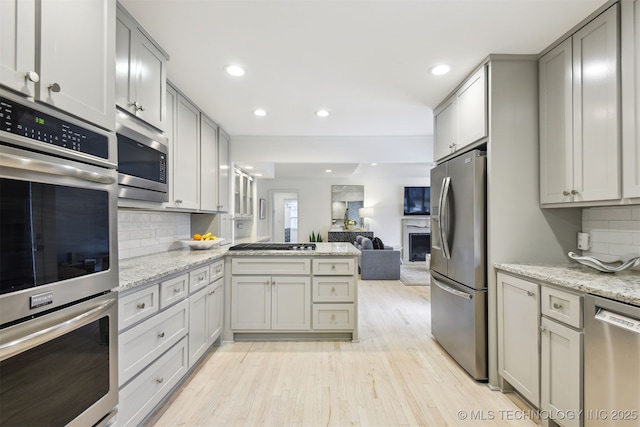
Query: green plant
x=315 y=237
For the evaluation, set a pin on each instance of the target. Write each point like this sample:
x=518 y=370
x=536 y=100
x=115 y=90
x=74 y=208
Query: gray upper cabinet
x=630 y=48
x=43 y=61
x=208 y=164
x=224 y=171
x=18 y=53
x=461 y=120
x=140 y=72
x=579 y=115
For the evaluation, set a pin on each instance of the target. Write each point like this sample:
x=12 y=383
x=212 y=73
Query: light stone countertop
x=143 y=270
x=623 y=286
x=322 y=249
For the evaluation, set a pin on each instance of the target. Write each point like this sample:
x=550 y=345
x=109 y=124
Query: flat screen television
x=417 y=200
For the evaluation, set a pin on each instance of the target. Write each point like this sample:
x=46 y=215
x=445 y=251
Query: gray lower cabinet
x=540 y=347
x=164 y=329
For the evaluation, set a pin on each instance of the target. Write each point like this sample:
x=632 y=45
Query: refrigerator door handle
x=451 y=290
x=442 y=217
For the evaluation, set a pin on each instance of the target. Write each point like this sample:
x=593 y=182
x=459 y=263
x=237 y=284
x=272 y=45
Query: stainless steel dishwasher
x=611 y=363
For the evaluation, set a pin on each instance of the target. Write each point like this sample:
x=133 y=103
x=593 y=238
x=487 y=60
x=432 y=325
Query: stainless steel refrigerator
x=458 y=260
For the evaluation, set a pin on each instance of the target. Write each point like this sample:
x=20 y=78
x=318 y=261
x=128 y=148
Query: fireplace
x=418 y=229
x=419 y=246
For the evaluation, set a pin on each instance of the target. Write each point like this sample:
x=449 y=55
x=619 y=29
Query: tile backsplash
x=614 y=231
x=147 y=232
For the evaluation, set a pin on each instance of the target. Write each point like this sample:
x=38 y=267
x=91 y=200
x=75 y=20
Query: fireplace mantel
x=417 y=224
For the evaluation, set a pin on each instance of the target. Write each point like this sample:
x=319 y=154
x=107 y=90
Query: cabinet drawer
x=333 y=289
x=288 y=265
x=198 y=278
x=563 y=306
x=142 y=394
x=334 y=266
x=141 y=344
x=333 y=316
x=216 y=271
x=173 y=290
x=137 y=306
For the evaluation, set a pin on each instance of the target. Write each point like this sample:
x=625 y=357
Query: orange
x=197 y=237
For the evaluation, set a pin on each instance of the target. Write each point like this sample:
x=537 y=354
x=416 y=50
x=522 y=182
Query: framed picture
x=263 y=208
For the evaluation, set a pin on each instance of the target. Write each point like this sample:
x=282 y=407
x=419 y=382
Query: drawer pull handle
x=218 y=270
x=211 y=292
x=557 y=306
x=333 y=290
x=529 y=293
x=176 y=290
x=141 y=306
x=333 y=267
x=160 y=380
x=161 y=334
x=333 y=317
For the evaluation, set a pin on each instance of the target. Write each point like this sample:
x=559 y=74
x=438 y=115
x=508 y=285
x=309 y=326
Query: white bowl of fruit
x=203 y=241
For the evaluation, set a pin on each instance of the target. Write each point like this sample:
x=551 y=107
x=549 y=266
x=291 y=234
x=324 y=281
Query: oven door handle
x=54 y=329
x=36 y=165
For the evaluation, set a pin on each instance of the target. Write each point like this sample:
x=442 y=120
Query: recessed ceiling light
x=248 y=167
x=322 y=113
x=260 y=112
x=234 y=70
x=440 y=70
x=257 y=174
x=327 y=170
x=373 y=164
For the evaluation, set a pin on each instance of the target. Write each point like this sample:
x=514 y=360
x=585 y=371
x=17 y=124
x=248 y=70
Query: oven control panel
x=28 y=122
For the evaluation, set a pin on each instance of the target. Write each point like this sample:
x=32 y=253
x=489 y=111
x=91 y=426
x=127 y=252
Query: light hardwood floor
x=397 y=375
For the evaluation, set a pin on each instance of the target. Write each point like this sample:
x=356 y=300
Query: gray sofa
x=377 y=264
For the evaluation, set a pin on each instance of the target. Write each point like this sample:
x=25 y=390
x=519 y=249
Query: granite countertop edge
x=144 y=270
x=623 y=286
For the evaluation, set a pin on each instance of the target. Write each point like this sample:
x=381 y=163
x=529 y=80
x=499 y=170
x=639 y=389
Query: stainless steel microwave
x=142 y=161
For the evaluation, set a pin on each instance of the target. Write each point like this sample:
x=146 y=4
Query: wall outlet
x=584 y=241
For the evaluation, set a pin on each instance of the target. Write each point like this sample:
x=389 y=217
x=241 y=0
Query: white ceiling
x=365 y=61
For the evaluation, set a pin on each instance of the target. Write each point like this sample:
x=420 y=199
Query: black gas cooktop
x=273 y=247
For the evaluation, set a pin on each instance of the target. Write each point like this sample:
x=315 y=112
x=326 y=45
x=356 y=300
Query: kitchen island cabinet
x=292 y=294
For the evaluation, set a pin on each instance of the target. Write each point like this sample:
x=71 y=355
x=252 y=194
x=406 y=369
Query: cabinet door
x=596 y=168
x=198 y=334
x=445 y=125
x=561 y=370
x=17 y=44
x=186 y=152
x=472 y=109
x=215 y=302
x=77 y=58
x=208 y=165
x=556 y=131
x=170 y=131
x=125 y=60
x=151 y=78
x=518 y=337
x=251 y=302
x=291 y=303
x=224 y=170
x=630 y=51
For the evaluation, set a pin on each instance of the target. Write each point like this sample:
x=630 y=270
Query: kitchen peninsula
x=291 y=293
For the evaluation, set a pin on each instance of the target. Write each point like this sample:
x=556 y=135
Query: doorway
x=284 y=214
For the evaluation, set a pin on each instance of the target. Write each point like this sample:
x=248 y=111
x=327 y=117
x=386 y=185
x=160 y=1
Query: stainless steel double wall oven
x=58 y=264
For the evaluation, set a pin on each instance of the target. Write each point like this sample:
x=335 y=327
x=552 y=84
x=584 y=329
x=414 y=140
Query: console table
x=348 y=236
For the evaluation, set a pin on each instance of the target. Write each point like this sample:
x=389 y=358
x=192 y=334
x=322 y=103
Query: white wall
x=383 y=193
